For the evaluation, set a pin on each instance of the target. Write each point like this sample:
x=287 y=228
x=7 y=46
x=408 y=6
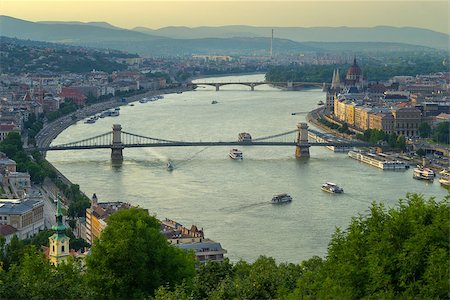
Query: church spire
x=58 y=242
x=59 y=227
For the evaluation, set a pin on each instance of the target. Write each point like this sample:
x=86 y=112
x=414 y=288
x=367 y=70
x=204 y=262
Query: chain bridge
x=117 y=140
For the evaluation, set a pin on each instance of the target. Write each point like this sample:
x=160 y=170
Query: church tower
x=59 y=242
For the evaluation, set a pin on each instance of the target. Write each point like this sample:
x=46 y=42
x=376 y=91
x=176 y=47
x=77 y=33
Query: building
x=382 y=121
x=7 y=231
x=26 y=215
x=192 y=239
x=354 y=77
x=407 y=121
x=97 y=216
x=6 y=164
x=58 y=250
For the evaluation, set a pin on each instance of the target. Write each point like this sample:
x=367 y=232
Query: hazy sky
x=155 y=14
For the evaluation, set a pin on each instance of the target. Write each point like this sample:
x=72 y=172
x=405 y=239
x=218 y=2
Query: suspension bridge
x=117 y=140
x=252 y=84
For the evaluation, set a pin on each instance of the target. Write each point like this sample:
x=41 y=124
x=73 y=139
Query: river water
x=231 y=199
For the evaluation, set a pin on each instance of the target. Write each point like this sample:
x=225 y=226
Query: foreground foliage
x=396 y=253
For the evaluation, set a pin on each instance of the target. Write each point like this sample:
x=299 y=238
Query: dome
x=354 y=70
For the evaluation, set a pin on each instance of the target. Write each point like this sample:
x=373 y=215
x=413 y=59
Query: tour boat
x=423 y=173
x=143 y=100
x=332 y=188
x=114 y=113
x=236 y=154
x=379 y=160
x=281 y=198
x=244 y=137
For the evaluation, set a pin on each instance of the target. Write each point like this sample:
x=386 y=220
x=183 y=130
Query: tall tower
x=271 y=45
x=59 y=242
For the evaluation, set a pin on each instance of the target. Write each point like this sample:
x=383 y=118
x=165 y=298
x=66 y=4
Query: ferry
x=236 y=154
x=423 y=173
x=379 y=160
x=445 y=178
x=281 y=198
x=332 y=188
x=169 y=166
x=244 y=137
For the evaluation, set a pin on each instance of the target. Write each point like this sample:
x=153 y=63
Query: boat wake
x=246 y=206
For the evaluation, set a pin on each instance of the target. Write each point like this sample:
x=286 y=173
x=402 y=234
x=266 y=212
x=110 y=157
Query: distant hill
x=225 y=40
x=21 y=56
x=407 y=35
x=65 y=33
x=98 y=24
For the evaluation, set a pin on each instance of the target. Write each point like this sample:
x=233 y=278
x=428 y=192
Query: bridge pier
x=217 y=87
x=252 y=86
x=302 y=147
x=117 y=145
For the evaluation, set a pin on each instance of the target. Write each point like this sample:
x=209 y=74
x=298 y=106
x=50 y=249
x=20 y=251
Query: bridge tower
x=289 y=85
x=302 y=147
x=117 y=146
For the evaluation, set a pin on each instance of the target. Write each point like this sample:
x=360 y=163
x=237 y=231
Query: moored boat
x=379 y=160
x=332 y=188
x=445 y=178
x=423 y=173
x=236 y=154
x=281 y=198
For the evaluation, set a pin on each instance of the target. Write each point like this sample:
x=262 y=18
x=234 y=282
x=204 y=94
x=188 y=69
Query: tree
x=424 y=130
x=132 y=258
x=441 y=133
x=421 y=152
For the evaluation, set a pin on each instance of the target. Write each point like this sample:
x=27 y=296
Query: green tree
x=132 y=258
x=441 y=133
x=421 y=152
x=424 y=130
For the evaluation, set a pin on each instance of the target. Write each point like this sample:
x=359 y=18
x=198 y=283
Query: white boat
x=236 y=154
x=90 y=121
x=143 y=100
x=281 y=198
x=169 y=166
x=445 y=178
x=244 y=137
x=379 y=160
x=332 y=188
x=423 y=173
x=114 y=113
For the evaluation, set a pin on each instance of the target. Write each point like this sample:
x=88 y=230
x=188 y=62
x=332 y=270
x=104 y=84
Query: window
x=62 y=248
x=53 y=248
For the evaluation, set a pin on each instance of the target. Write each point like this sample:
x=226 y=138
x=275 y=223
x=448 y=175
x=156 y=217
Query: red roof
x=72 y=93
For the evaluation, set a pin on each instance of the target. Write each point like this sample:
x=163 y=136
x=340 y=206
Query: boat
x=214 y=102
x=169 y=166
x=281 y=198
x=114 y=113
x=332 y=188
x=445 y=178
x=131 y=104
x=236 y=154
x=179 y=92
x=320 y=103
x=143 y=100
x=244 y=137
x=379 y=160
x=90 y=121
x=423 y=173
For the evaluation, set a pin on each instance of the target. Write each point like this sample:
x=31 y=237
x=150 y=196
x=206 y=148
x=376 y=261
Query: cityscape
x=276 y=155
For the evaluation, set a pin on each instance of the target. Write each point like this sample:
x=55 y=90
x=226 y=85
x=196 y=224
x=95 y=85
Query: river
x=230 y=199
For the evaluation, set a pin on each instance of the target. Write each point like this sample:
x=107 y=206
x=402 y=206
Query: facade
x=26 y=216
x=407 y=121
x=97 y=215
x=382 y=121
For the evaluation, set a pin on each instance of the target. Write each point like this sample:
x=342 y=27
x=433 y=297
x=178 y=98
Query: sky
x=432 y=15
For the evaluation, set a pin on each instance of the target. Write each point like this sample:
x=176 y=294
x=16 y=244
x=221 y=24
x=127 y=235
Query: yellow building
x=350 y=113
x=97 y=215
x=59 y=243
